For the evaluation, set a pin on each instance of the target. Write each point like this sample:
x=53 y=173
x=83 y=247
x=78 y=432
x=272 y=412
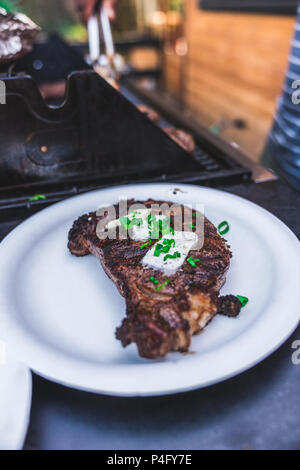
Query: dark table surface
x=259 y=409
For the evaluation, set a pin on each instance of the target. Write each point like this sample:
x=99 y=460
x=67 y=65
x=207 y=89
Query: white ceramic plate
x=60 y=312
x=15 y=403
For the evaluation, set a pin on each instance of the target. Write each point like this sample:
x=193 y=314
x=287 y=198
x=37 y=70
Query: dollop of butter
x=184 y=243
x=171 y=260
x=136 y=232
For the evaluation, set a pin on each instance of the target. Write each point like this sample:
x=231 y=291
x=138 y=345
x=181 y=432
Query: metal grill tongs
x=99 y=29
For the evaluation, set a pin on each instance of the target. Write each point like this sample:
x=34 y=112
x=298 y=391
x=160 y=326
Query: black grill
x=97 y=138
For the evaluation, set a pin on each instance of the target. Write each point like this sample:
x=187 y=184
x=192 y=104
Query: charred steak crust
x=229 y=305
x=158 y=322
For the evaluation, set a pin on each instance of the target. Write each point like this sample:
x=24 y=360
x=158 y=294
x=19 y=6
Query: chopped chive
x=153 y=226
x=223 y=228
x=150 y=218
x=38 y=197
x=125 y=222
x=134 y=213
x=243 y=300
x=176 y=255
x=192 y=226
x=158 y=249
x=148 y=242
x=169 y=241
x=137 y=222
x=152 y=279
x=165 y=247
x=193 y=261
x=159 y=227
x=159 y=288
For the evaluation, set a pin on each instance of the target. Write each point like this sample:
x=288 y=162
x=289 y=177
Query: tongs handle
x=94 y=38
x=107 y=34
x=94 y=34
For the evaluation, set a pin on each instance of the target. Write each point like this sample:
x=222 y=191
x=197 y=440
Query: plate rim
x=178 y=389
x=26 y=422
x=21 y=435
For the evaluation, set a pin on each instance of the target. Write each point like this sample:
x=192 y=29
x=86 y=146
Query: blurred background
x=222 y=62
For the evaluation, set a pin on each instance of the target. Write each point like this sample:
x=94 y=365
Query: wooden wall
x=234 y=69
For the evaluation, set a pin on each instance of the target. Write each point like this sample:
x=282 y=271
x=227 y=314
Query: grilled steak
x=161 y=319
x=229 y=305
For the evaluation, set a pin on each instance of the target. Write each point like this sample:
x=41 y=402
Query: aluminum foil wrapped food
x=17 y=35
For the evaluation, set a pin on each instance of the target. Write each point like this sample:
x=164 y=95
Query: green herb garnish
x=223 y=228
x=158 y=227
x=153 y=226
x=164 y=226
x=148 y=242
x=137 y=222
x=152 y=279
x=165 y=247
x=38 y=197
x=158 y=250
x=176 y=255
x=151 y=218
x=134 y=213
x=169 y=242
x=192 y=226
x=155 y=282
x=193 y=261
x=159 y=288
x=125 y=222
x=243 y=300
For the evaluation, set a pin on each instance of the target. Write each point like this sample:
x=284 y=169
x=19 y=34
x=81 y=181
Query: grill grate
x=96 y=139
